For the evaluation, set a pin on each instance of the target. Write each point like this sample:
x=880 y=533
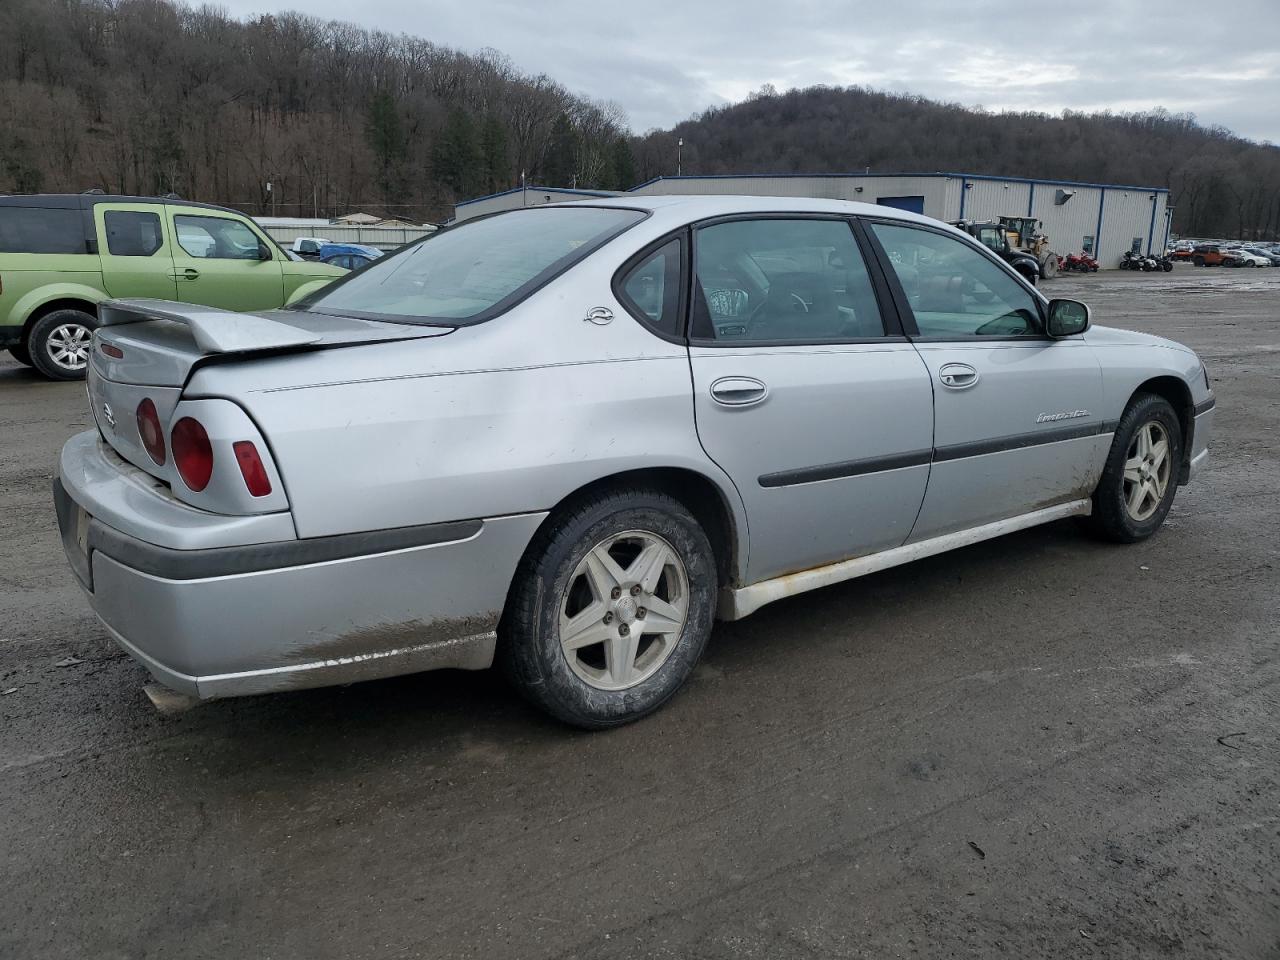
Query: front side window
x=468 y=273
x=41 y=230
x=132 y=233
x=775 y=280
x=215 y=238
x=954 y=290
x=651 y=289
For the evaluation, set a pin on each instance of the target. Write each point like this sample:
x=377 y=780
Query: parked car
x=537 y=438
x=1271 y=256
x=1208 y=255
x=308 y=247
x=61 y=256
x=1240 y=257
x=348 y=256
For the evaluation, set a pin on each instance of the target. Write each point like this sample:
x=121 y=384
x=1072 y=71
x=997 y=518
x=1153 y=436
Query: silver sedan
x=567 y=438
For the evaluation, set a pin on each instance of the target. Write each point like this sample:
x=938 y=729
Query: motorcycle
x=1079 y=263
x=1164 y=263
x=1136 y=261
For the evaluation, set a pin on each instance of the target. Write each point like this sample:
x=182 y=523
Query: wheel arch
x=711 y=505
x=1178 y=394
x=66 y=301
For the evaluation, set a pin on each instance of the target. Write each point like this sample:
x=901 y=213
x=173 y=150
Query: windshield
x=474 y=271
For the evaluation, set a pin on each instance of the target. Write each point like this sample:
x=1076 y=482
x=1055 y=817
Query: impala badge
x=109 y=416
x=1069 y=415
x=599 y=316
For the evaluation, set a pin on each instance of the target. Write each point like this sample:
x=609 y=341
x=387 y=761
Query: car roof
x=689 y=207
x=79 y=201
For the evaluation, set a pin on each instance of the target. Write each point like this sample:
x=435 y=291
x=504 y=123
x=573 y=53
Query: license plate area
x=74 y=524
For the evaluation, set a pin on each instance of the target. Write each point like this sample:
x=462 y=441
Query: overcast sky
x=663 y=60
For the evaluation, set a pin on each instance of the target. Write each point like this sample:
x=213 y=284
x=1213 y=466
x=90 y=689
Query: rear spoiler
x=214 y=330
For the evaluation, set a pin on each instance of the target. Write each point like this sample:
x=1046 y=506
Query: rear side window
x=469 y=273
x=651 y=290
x=782 y=281
x=41 y=230
x=132 y=234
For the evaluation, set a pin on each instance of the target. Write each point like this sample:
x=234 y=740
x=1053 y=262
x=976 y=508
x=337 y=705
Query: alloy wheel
x=1147 y=469
x=68 y=346
x=623 y=610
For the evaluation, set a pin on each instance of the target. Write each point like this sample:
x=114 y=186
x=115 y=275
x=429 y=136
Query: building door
x=913 y=204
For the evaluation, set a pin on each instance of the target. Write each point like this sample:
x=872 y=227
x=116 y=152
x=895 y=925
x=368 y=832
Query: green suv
x=60 y=256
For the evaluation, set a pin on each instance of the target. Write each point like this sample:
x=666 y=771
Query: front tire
x=610 y=609
x=59 y=344
x=1140 y=477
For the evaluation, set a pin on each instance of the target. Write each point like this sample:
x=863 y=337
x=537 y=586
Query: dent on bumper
x=417 y=607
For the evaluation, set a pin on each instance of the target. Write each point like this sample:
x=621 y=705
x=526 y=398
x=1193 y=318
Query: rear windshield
x=474 y=271
x=41 y=230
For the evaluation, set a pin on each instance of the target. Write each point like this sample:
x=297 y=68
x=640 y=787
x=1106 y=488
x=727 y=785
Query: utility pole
x=273 y=198
x=524 y=188
x=679 y=155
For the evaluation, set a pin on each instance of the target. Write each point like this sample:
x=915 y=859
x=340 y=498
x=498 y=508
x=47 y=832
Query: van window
x=41 y=230
x=215 y=238
x=132 y=233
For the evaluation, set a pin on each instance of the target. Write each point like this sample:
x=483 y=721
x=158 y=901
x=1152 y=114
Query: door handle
x=957 y=376
x=187 y=274
x=738 y=391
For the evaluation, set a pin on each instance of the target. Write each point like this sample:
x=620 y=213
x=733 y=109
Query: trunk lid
x=148 y=348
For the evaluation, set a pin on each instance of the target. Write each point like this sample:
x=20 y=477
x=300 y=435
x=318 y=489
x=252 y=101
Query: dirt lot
x=1039 y=746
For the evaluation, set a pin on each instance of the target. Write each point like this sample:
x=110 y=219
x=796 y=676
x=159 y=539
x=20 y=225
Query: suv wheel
x=1140 y=478
x=610 y=609
x=59 y=344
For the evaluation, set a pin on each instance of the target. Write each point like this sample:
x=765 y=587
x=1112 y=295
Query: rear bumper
x=248 y=619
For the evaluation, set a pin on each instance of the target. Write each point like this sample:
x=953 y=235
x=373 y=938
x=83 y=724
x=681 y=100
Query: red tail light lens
x=192 y=453
x=251 y=468
x=150 y=431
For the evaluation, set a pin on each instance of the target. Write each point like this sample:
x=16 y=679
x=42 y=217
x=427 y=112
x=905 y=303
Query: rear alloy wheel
x=610 y=609
x=1140 y=478
x=59 y=344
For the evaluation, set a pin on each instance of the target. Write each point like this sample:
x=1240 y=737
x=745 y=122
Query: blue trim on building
x=504 y=193
x=1097 y=234
x=1168 y=225
x=1031 y=198
x=1151 y=227
x=964 y=188
x=936 y=173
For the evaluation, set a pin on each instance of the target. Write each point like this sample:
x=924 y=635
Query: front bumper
x=235 y=620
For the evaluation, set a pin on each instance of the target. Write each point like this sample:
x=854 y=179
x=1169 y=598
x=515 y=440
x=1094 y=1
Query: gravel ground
x=1037 y=746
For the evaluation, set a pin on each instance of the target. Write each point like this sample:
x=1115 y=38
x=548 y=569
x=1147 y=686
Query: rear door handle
x=187 y=274
x=957 y=376
x=738 y=391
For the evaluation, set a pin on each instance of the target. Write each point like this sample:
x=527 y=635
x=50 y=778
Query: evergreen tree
x=385 y=134
x=495 y=164
x=623 y=165
x=561 y=163
x=456 y=159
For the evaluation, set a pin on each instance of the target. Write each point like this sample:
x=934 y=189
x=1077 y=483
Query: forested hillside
x=1221 y=184
x=149 y=96
x=146 y=96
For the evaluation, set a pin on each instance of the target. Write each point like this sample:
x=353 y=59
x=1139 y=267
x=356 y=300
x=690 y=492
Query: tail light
x=150 y=431
x=192 y=453
x=255 y=474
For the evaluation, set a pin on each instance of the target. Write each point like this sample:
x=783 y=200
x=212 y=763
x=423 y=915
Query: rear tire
x=1140 y=477
x=1198 y=261
x=59 y=344
x=587 y=634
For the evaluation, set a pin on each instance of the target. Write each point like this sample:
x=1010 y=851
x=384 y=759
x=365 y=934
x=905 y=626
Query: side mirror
x=264 y=252
x=1067 y=318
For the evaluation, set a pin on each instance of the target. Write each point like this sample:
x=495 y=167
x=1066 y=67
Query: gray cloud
x=665 y=60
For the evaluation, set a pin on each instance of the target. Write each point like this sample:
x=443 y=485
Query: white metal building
x=1103 y=219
